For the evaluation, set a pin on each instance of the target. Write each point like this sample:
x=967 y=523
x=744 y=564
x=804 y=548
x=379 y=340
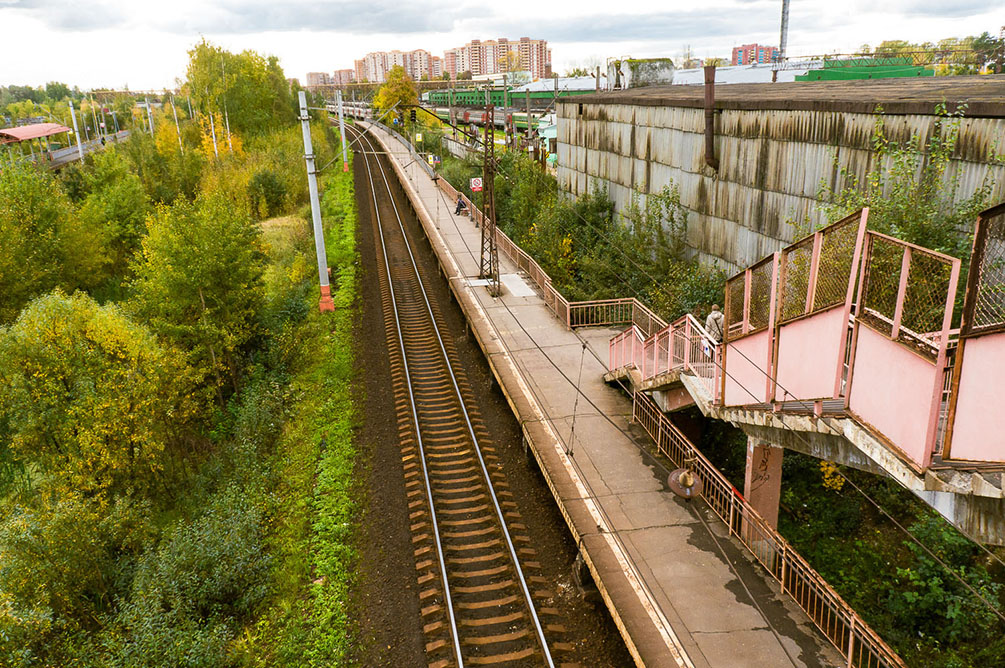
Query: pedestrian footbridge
x=843 y=346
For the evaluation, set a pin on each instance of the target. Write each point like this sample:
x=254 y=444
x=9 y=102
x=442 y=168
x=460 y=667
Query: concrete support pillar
x=762 y=484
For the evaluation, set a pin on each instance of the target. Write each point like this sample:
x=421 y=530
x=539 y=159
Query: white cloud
x=118 y=42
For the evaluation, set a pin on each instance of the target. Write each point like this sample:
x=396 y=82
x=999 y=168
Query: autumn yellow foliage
x=91 y=400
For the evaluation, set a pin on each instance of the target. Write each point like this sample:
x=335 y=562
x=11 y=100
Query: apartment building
x=374 y=66
x=343 y=77
x=492 y=57
x=318 y=79
x=749 y=54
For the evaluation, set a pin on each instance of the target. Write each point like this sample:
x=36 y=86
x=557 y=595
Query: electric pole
x=177 y=128
x=490 y=250
x=528 y=114
x=784 y=37
x=94 y=115
x=325 y=303
x=341 y=131
x=76 y=133
x=150 y=117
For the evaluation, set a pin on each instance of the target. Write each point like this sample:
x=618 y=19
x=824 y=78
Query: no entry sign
x=476 y=185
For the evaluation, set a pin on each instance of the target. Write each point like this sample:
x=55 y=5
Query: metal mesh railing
x=798 y=258
x=837 y=252
x=882 y=282
x=734 y=306
x=860 y=645
x=989 y=263
x=759 y=313
x=925 y=296
x=910 y=309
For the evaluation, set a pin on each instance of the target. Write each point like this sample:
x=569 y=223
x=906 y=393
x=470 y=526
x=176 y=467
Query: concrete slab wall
x=772 y=163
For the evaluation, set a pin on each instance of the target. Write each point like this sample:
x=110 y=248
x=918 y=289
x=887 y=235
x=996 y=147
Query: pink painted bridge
x=848 y=334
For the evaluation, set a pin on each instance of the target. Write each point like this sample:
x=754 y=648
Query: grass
x=306 y=621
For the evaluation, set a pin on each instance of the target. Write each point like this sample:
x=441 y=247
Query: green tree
x=199 y=282
x=398 y=89
x=990 y=52
x=116 y=202
x=45 y=244
x=250 y=87
x=55 y=91
x=166 y=176
x=88 y=399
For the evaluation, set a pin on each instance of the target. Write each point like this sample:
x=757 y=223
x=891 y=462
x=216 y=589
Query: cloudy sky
x=142 y=44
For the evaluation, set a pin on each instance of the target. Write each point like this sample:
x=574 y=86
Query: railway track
x=475 y=565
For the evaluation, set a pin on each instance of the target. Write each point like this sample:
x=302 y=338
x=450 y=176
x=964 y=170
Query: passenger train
x=516 y=119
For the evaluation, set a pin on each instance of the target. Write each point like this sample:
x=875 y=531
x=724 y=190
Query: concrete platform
x=681 y=592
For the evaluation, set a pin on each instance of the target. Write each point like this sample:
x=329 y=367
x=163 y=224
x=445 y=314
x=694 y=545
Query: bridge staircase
x=841 y=346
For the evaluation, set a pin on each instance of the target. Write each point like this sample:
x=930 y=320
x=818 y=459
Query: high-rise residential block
x=754 y=53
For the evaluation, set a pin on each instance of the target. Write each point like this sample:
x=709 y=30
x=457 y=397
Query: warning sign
x=476 y=185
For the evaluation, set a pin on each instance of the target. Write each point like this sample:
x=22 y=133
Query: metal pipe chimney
x=710 y=158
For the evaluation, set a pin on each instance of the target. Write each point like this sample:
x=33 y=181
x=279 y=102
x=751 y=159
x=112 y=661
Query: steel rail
x=467 y=419
x=418 y=431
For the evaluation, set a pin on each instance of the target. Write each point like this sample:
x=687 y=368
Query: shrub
x=63 y=563
x=190 y=594
x=88 y=398
x=267 y=193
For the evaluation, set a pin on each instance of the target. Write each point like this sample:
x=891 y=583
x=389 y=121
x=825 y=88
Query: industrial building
x=773 y=144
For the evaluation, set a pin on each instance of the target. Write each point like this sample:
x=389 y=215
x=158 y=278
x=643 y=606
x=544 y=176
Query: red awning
x=35 y=131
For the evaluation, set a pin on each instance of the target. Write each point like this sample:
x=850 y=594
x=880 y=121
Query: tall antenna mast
x=784 y=37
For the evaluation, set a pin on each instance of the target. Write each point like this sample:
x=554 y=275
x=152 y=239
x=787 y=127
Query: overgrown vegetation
x=175 y=415
x=587 y=249
x=905 y=595
x=912 y=192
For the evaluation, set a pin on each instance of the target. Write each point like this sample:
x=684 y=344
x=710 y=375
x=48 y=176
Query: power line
x=780 y=417
x=802 y=438
x=757 y=366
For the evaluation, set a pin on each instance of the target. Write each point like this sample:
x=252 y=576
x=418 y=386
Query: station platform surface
x=679 y=590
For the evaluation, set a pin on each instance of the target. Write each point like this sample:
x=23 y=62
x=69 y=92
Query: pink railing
x=683 y=346
x=859 y=644
x=596 y=313
x=974 y=420
x=625 y=349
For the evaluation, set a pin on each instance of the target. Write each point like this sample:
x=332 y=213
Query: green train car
x=477 y=117
x=471 y=97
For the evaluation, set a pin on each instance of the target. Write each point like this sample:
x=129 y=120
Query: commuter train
x=517 y=119
x=476 y=96
x=462 y=117
x=358 y=110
